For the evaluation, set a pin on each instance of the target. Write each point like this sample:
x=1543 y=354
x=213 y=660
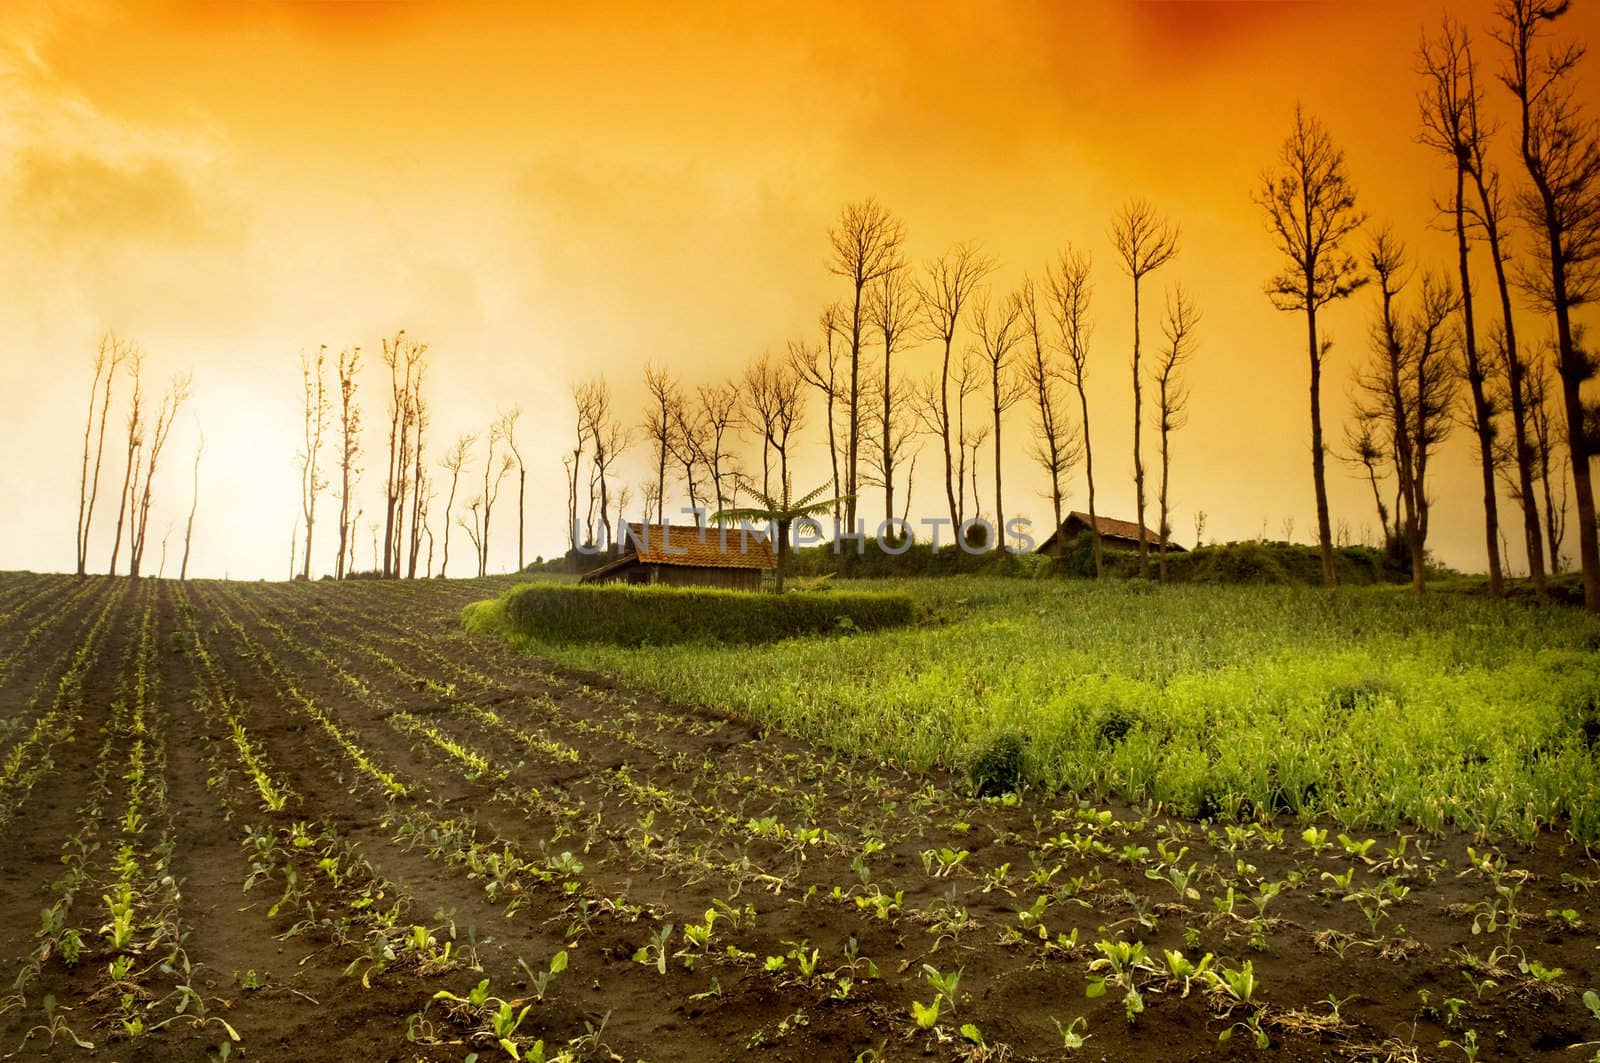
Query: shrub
x=659 y=616
x=999 y=766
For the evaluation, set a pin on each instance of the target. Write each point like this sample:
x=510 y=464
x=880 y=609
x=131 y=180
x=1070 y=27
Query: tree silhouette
x=108 y=357
x=316 y=413
x=1067 y=282
x=1145 y=242
x=866 y=244
x=1311 y=211
x=947 y=285
x=1560 y=148
x=1172 y=397
x=1449 y=126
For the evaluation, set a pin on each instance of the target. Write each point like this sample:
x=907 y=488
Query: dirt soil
x=273 y=821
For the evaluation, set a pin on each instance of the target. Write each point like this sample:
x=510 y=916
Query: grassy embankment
x=1365 y=706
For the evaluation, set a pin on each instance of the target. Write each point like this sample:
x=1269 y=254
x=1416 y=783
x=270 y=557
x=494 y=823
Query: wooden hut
x=688 y=556
x=1114 y=534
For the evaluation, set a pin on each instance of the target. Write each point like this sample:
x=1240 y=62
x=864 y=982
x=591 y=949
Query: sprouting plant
x=540 y=980
x=1123 y=960
x=946 y=984
x=1239 y=983
x=926 y=1015
x=1355 y=848
x=805 y=957
x=1468 y=1045
x=1182 y=971
x=1535 y=969
x=1071 y=1038
x=1315 y=837
x=656 y=951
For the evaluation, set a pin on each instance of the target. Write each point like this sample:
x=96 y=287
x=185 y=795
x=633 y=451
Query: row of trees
x=1433 y=365
x=147 y=435
x=409 y=488
x=1410 y=393
x=1028 y=347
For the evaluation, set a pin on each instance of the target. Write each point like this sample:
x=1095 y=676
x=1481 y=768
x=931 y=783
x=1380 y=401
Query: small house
x=1114 y=534
x=688 y=556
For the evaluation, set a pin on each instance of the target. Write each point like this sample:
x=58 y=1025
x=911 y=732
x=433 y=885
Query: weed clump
x=999 y=766
x=1347 y=697
x=1114 y=725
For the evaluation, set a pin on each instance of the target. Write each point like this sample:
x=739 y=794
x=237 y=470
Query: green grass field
x=1366 y=706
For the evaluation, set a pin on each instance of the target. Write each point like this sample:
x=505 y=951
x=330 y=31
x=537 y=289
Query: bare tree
x=194 y=507
x=773 y=404
x=1489 y=213
x=1055 y=446
x=474 y=530
x=1172 y=397
x=818 y=366
x=582 y=397
x=509 y=420
x=890 y=437
x=135 y=442
x=658 y=429
x=404 y=358
x=947 y=285
x=1069 y=291
x=1448 y=107
x=688 y=443
x=171 y=401
x=892 y=308
x=866 y=245
x=349 y=366
x=1364 y=448
x=454 y=461
x=608 y=439
x=316 y=413
x=1000 y=329
x=419 y=495
x=1410 y=387
x=1548 y=455
x=1311 y=211
x=1560 y=148
x=719 y=421
x=1145 y=242
x=107 y=358
x=969 y=381
x=493 y=475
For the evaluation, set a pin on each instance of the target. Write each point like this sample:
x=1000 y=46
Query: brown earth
x=276 y=783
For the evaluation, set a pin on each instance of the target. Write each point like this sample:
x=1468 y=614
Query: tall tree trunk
x=1161 y=529
x=1138 y=456
x=122 y=506
x=86 y=498
x=1319 y=475
x=888 y=448
x=999 y=507
x=1088 y=470
x=1481 y=410
x=1516 y=376
x=522 y=515
x=194 y=507
x=950 y=472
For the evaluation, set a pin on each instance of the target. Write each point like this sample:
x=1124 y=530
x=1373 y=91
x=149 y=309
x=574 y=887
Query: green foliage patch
x=667 y=616
x=1361 y=706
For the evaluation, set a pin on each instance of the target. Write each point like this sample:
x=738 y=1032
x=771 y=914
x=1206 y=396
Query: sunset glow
x=545 y=194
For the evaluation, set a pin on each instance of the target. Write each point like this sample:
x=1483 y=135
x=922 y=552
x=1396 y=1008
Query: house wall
x=743 y=579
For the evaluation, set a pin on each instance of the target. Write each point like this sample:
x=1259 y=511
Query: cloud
x=82 y=196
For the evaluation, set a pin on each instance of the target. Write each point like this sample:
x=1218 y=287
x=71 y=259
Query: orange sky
x=546 y=193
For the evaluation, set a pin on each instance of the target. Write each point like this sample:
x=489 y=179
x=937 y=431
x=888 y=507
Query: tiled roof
x=656 y=544
x=1111 y=528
